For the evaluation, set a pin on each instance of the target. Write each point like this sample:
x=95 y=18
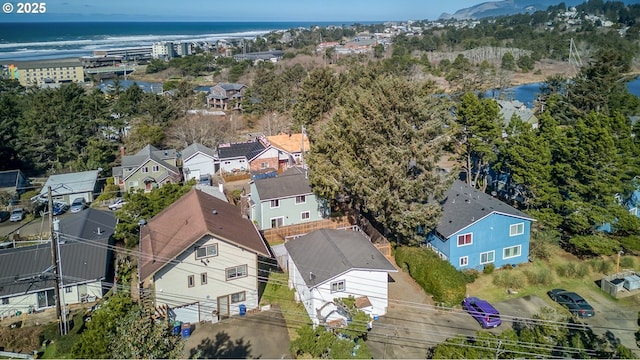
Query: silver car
x=17 y=214
x=78 y=205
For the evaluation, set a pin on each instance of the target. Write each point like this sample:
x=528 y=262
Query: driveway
x=262 y=335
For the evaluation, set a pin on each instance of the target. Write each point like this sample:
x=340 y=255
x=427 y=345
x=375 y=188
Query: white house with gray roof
x=328 y=264
x=199 y=161
x=285 y=200
x=26 y=280
x=67 y=187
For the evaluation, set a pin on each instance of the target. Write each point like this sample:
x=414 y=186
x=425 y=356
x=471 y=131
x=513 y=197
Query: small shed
x=632 y=282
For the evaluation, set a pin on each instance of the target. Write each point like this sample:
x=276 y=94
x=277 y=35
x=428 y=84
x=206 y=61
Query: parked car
x=4 y=216
x=78 y=205
x=576 y=304
x=60 y=208
x=17 y=214
x=118 y=204
x=482 y=311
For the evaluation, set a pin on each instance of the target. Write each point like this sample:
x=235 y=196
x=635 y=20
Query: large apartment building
x=43 y=72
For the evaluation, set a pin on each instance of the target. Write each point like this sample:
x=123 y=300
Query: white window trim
x=236 y=268
x=308 y=215
x=458 y=237
x=466 y=261
x=271 y=204
x=515 y=226
x=206 y=251
x=511 y=247
x=304 y=198
x=337 y=283
x=488 y=252
x=275 y=218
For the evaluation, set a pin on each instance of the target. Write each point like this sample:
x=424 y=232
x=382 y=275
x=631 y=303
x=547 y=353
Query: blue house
x=477 y=229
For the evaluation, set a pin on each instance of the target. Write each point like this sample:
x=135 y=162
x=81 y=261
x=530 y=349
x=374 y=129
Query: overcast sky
x=245 y=10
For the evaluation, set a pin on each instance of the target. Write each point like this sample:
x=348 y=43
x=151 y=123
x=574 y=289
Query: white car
x=118 y=204
x=17 y=214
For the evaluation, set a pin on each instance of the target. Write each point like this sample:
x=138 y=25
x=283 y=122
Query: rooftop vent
x=214 y=212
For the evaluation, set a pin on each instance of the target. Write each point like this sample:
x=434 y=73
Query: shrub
x=509 y=279
x=488 y=269
x=436 y=276
x=542 y=276
x=601 y=266
x=631 y=244
x=470 y=275
x=627 y=262
x=582 y=270
x=595 y=245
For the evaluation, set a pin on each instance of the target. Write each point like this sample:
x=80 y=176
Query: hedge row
x=436 y=276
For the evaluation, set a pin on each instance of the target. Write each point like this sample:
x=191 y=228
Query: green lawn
x=277 y=293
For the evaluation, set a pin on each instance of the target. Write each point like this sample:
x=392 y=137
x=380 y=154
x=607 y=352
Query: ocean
x=53 y=40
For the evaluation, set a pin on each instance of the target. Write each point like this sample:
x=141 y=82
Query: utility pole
x=54 y=263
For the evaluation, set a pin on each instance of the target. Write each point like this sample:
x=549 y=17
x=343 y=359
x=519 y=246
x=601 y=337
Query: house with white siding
x=327 y=264
x=202 y=259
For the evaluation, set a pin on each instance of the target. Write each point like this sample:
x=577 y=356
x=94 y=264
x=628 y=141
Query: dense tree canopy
x=380 y=149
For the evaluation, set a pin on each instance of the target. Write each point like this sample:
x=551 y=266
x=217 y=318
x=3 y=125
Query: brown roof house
x=201 y=259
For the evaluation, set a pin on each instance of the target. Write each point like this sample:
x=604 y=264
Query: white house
x=198 y=161
x=202 y=258
x=67 y=187
x=326 y=264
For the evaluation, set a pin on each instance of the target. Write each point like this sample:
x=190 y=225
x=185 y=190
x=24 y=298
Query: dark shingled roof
x=186 y=221
x=84 y=255
x=464 y=205
x=290 y=183
x=9 y=178
x=248 y=150
x=327 y=253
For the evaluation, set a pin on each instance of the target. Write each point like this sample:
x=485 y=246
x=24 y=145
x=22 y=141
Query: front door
x=46 y=299
x=223 y=307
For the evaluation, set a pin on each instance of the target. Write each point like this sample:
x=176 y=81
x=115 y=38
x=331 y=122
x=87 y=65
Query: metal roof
x=324 y=254
x=9 y=178
x=72 y=183
x=247 y=150
x=464 y=205
x=84 y=255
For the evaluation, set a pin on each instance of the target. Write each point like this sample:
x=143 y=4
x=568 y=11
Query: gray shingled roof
x=147 y=153
x=72 y=183
x=248 y=150
x=324 y=254
x=290 y=183
x=232 y=86
x=83 y=253
x=464 y=205
x=194 y=148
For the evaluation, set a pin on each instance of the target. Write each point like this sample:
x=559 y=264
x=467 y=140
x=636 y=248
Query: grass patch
x=277 y=292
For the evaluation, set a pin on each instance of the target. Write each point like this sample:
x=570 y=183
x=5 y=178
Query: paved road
x=26 y=229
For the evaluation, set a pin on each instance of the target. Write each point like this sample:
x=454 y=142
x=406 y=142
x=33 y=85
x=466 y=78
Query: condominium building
x=44 y=72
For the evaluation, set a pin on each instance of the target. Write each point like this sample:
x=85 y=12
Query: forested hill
x=511 y=7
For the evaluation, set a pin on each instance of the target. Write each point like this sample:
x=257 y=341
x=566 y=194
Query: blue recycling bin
x=176 y=327
x=186 y=330
x=243 y=309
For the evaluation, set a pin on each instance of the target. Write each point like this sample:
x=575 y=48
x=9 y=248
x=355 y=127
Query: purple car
x=482 y=311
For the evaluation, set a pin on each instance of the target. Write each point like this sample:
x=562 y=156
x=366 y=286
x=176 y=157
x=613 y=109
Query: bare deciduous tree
x=207 y=130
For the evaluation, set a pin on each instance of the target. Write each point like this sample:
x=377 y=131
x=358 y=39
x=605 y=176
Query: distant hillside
x=510 y=7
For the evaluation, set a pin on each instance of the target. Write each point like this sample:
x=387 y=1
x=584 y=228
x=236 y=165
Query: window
x=301 y=199
x=203 y=279
x=337 y=286
x=207 y=251
x=465 y=239
x=464 y=261
x=155 y=168
x=236 y=272
x=264 y=165
x=238 y=297
x=277 y=222
x=487 y=257
x=133 y=183
x=227 y=162
x=305 y=215
x=191 y=282
x=516 y=229
x=67 y=290
x=145 y=169
x=511 y=252
x=5 y=301
x=275 y=203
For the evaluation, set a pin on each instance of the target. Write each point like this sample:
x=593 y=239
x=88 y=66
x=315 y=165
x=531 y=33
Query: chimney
x=221 y=188
x=121 y=151
x=99 y=231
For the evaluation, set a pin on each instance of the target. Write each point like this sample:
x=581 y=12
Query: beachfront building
x=42 y=73
x=162 y=50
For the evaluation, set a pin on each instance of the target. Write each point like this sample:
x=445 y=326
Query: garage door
x=187 y=313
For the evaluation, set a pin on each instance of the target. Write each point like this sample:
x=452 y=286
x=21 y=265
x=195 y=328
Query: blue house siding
x=490 y=234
